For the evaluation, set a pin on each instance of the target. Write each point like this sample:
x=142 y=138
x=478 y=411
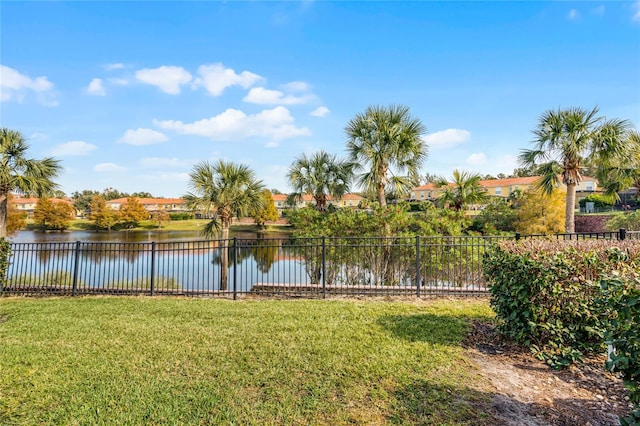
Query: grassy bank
x=193 y=361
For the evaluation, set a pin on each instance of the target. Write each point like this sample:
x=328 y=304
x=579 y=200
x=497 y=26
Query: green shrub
x=628 y=220
x=544 y=293
x=621 y=300
x=5 y=253
x=181 y=216
x=600 y=202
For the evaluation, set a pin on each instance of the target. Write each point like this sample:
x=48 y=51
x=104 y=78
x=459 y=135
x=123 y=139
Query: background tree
x=498 y=216
x=224 y=190
x=566 y=141
x=132 y=212
x=102 y=216
x=386 y=143
x=623 y=171
x=16 y=220
x=21 y=174
x=142 y=195
x=160 y=217
x=82 y=200
x=268 y=213
x=113 y=194
x=51 y=215
x=463 y=191
x=321 y=175
x=541 y=213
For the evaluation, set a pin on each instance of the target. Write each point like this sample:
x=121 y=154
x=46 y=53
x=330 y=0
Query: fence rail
x=322 y=266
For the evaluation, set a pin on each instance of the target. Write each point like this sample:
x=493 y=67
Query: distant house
x=169 y=205
x=27 y=205
x=503 y=188
x=347 y=200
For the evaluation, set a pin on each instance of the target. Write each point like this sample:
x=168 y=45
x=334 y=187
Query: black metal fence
x=307 y=267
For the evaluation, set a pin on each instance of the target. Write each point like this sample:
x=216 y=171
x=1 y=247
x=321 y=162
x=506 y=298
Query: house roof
x=149 y=201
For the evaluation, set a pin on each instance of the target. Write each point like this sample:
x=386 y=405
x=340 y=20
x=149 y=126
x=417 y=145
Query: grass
x=108 y=360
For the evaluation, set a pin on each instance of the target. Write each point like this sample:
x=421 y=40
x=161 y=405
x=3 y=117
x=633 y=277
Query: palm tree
x=223 y=190
x=464 y=190
x=566 y=141
x=21 y=174
x=387 y=142
x=624 y=172
x=321 y=175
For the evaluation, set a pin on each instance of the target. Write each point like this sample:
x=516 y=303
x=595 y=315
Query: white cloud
x=636 y=16
x=119 y=81
x=14 y=85
x=166 y=78
x=96 y=87
x=232 y=125
x=477 y=159
x=215 y=78
x=111 y=67
x=73 y=148
x=573 y=14
x=108 y=167
x=447 y=138
x=598 y=10
x=320 y=111
x=142 y=137
x=296 y=86
x=262 y=96
x=161 y=162
x=507 y=162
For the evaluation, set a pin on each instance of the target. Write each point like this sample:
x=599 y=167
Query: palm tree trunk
x=224 y=258
x=382 y=199
x=569 y=221
x=4 y=199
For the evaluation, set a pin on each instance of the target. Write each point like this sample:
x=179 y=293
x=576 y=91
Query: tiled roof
x=147 y=201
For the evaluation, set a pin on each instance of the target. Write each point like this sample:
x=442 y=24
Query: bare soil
x=527 y=392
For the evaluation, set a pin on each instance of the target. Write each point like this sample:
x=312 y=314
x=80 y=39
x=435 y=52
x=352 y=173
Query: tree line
x=385 y=151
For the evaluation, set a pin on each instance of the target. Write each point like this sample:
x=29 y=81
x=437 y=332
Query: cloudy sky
x=131 y=95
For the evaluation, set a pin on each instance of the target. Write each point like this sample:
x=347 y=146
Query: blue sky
x=131 y=95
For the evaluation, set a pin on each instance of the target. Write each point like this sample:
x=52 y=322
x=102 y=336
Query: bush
x=5 y=253
x=621 y=299
x=181 y=216
x=544 y=293
x=600 y=202
x=629 y=221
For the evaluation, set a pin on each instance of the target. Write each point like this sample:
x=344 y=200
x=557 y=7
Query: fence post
x=324 y=268
x=517 y=236
x=622 y=234
x=235 y=268
x=76 y=260
x=418 y=266
x=153 y=266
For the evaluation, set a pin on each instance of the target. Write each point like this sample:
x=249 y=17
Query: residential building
x=27 y=205
x=503 y=188
x=169 y=205
x=347 y=200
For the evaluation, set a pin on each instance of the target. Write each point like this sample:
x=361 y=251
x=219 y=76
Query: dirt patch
x=526 y=391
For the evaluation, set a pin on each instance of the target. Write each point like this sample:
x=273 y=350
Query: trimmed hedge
x=545 y=293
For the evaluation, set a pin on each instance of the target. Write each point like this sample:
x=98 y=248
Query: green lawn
x=202 y=361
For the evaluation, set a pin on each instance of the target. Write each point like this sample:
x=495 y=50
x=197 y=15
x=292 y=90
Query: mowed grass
x=119 y=360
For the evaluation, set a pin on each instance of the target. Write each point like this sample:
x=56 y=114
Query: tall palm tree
x=223 y=190
x=464 y=190
x=321 y=175
x=566 y=141
x=21 y=174
x=386 y=143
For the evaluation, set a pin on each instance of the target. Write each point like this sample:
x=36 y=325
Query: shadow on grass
x=435 y=329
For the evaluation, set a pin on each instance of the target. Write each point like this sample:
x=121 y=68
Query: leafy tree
x=82 y=200
x=529 y=171
x=386 y=144
x=628 y=220
x=21 y=174
x=160 y=217
x=102 y=216
x=276 y=191
x=464 y=190
x=541 y=213
x=268 y=213
x=224 y=190
x=568 y=140
x=50 y=215
x=321 y=175
x=132 y=212
x=496 y=217
x=142 y=195
x=113 y=194
x=16 y=219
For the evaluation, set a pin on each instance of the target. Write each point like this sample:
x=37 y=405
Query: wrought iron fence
x=418 y=266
